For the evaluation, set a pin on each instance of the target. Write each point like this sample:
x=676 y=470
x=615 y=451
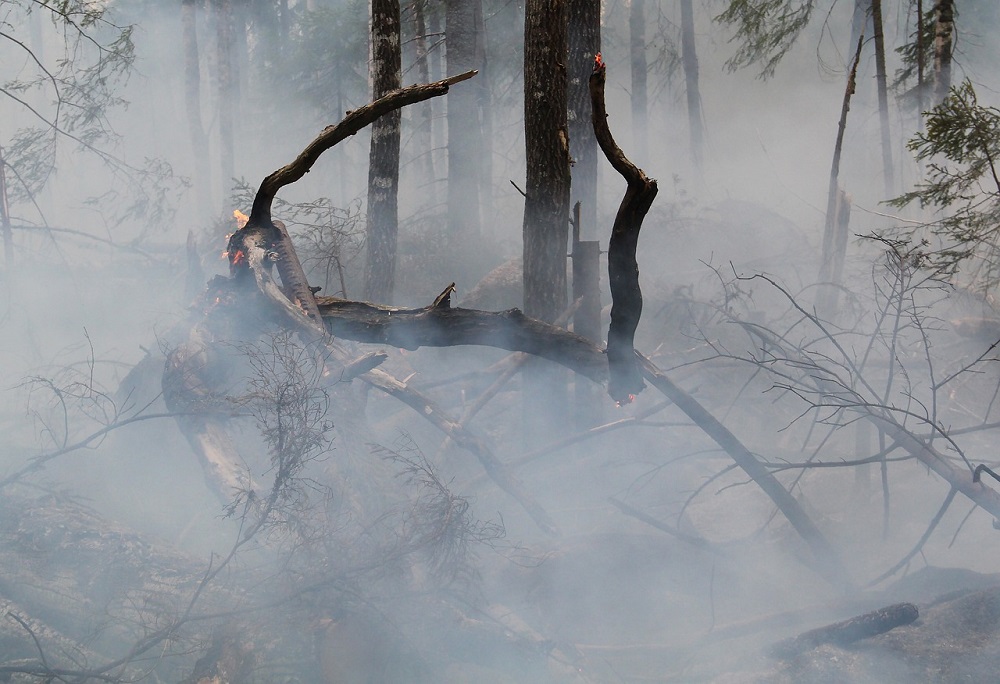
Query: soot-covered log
x=625 y=377
x=847 y=632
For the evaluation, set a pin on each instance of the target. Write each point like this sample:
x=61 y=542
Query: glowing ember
x=237 y=258
x=598 y=62
x=624 y=402
x=241 y=218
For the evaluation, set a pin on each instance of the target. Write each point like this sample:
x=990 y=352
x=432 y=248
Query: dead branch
x=353 y=121
x=625 y=379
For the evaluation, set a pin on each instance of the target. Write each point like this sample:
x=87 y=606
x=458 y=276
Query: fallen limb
x=847 y=632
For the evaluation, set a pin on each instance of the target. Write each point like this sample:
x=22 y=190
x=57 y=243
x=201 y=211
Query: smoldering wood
x=849 y=631
x=625 y=379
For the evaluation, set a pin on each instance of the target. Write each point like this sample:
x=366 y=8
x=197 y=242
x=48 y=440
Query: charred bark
x=847 y=632
x=383 y=162
x=625 y=379
x=883 y=99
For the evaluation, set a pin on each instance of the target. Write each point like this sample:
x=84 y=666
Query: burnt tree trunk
x=424 y=138
x=383 y=162
x=584 y=44
x=624 y=376
x=826 y=299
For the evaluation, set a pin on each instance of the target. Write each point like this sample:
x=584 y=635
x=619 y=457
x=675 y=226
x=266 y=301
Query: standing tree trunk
x=484 y=98
x=546 y=207
x=546 y=204
x=425 y=110
x=464 y=134
x=227 y=102
x=921 y=57
x=944 y=31
x=383 y=162
x=584 y=44
x=192 y=101
x=836 y=211
x=689 y=56
x=883 y=100
x=637 y=43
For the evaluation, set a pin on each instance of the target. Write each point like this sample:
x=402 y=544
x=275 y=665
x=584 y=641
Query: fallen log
x=847 y=632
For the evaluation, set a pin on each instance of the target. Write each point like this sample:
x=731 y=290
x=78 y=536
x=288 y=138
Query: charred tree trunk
x=624 y=375
x=637 y=50
x=689 y=56
x=484 y=100
x=883 y=99
x=464 y=134
x=546 y=205
x=547 y=182
x=383 y=162
x=584 y=43
x=192 y=101
x=826 y=300
x=921 y=58
x=944 y=31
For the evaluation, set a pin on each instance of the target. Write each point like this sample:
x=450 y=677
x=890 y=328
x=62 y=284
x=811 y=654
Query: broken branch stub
x=625 y=377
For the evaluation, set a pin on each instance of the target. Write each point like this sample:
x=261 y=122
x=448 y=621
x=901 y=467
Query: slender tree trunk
x=424 y=138
x=826 y=298
x=584 y=44
x=192 y=101
x=944 y=31
x=637 y=43
x=227 y=103
x=485 y=101
x=883 y=100
x=921 y=58
x=689 y=56
x=383 y=161
x=464 y=135
x=8 y=238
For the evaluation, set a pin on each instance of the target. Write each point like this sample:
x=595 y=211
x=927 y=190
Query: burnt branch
x=625 y=378
x=353 y=121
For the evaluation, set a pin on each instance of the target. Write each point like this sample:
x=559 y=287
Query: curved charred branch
x=625 y=378
x=847 y=632
x=354 y=121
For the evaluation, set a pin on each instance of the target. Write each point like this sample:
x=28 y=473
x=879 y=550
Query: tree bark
x=547 y=182
x=888 y=176
x=424 y=138
x=689 y=56
x=944 y=31
x=584 y=44
x=382 y=225
x=625 y=379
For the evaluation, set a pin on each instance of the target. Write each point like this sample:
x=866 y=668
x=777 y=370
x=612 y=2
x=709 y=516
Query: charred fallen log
x=624 y=375
x=847 y=632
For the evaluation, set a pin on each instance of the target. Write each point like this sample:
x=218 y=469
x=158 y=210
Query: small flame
x=624 y=402
x=598 y=62
x=237 y=258
x=241 y=218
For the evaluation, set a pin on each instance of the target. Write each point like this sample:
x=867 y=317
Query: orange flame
x=238 y=258
x=241 y=218
x=625 y=402
x=598 y=62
